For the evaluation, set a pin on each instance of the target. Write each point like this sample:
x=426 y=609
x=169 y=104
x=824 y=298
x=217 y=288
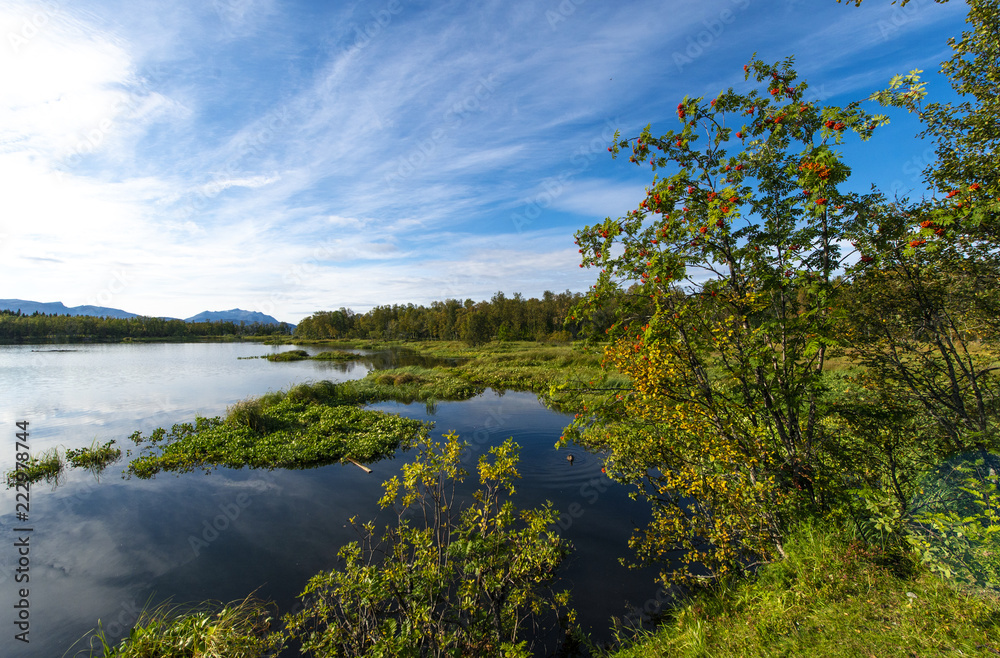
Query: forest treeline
x=37 y=327
x=500 y=318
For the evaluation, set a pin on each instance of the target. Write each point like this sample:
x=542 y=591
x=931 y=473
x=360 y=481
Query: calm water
x=105 y=549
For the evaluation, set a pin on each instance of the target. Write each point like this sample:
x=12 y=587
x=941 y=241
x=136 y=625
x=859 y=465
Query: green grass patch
x=238 y=630
x=96 y=458
x=411 y=384
x=830 y=597
x=302 y=355
x=291 y=355
x=333 y=355
x=564 y=370
x=47 y=466
x=306 y=426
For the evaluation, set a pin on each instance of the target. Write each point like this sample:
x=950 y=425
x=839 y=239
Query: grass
x=46 y=466
x=334 y=355
x=291 y=355
x=241 y=629
x=302 y=355
x=320 y=423
x=96 y=458
x=49 y=465
x=830 y=597
x=306 y=426
x=520 y=366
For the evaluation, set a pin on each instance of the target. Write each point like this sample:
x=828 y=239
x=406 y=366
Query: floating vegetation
x=334 y=355
x=302 y=355
x=291 y=355
x=411 y=384
x=96 y=457
x=309 y=425
x=46 y=466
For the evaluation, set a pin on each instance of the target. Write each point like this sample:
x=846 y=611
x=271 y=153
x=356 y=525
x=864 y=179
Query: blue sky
x=287 y=157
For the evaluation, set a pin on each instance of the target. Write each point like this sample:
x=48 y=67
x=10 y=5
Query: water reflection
x=105 y=548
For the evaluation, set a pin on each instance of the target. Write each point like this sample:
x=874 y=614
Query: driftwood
x=359 y=465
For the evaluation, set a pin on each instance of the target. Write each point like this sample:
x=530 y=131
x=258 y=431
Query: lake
x=106 y=548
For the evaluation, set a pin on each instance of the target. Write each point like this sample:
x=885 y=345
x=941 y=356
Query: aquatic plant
x=335 y=355
x=291 y=355
x=46 y=466
x=96 y=458
x=306 y=426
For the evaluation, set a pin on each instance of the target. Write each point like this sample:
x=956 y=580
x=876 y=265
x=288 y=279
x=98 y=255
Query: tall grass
x=242 y=629
x=830 y=597
x=95 y=458
x=47 y=465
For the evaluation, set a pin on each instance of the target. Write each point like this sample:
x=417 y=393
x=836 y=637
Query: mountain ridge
x=27 y=307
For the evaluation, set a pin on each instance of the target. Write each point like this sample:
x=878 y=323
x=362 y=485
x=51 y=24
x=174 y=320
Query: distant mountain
x=233 y=315
x=58 y=308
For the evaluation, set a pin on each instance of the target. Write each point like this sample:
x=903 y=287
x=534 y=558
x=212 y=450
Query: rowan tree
x=726 y=280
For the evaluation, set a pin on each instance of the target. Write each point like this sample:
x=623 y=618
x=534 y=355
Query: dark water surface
x=105 y=549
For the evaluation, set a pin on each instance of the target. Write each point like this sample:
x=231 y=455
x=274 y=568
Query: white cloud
x=243 y=153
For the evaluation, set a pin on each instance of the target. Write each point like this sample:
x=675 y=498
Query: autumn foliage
x=747 y=265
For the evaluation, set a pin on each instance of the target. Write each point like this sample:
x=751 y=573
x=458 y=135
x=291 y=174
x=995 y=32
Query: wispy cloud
x=173 y=158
